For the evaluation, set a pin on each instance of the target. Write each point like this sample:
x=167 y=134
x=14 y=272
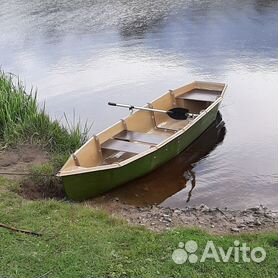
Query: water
x=82 y=54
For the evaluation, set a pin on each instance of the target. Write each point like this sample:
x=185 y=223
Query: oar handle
x=130 y=107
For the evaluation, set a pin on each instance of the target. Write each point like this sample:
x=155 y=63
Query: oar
x=177 y=113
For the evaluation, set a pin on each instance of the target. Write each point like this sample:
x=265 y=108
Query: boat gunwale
x=84 y=170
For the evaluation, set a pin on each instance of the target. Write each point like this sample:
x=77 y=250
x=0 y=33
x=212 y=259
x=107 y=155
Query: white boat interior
x=143 y=130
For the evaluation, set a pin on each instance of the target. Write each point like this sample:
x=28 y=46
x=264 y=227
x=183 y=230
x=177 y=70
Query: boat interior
x=143 y=130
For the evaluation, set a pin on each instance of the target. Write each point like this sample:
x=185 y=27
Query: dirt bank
x=18 y=160
x=16 y=164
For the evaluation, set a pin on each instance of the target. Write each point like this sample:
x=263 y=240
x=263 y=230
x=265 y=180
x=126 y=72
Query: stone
x=203 y=207
x=258 y=223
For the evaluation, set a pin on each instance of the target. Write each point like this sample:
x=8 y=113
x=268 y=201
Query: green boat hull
x=83 y=186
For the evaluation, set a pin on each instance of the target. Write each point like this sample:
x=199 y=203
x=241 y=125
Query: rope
x=25 y=174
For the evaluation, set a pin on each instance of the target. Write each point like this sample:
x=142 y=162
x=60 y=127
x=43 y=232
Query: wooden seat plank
x=124 y=146
x=140 y=137
x=201 y=95
x=173 y=124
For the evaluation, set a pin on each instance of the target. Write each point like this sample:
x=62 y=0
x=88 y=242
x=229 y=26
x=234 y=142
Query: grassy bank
x=23 y=121
x=79 y=241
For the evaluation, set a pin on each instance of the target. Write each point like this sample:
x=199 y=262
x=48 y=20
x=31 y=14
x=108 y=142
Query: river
x=82 y=54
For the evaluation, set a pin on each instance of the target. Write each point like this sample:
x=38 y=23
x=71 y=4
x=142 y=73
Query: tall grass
x=23 y=121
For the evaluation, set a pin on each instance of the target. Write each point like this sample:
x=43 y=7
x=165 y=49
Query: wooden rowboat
x=141 y=142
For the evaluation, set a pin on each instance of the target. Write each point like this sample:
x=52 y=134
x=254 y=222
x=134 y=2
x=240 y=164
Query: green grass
x=23 y=121
x=79 y=241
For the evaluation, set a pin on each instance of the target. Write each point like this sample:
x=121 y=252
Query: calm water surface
x=82 y=54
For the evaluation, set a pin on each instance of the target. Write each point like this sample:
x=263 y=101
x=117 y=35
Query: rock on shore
x=215 y=220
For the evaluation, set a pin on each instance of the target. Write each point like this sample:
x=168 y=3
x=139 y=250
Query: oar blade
x=178 y=113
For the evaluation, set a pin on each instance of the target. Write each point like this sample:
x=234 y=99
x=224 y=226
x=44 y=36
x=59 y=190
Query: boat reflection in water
x=175 y=175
